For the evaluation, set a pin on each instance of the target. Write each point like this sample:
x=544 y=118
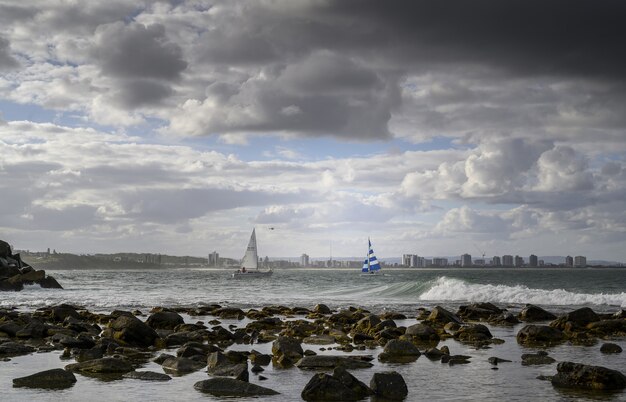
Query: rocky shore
x=14 y=273
x=117 y=345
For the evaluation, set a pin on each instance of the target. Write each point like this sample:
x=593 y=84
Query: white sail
x=251 y=259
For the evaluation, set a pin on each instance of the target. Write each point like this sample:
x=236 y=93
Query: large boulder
x=181 y=365
x=10 y=349
x=389 y=385
x=286 y=351
x=225 y=386
x=331 y=361
x=610 y=348
x=539 y=358
x=473 y=333
x=340 y=386
x=539 y=335
x=130 y=330
x=532 y=313
x=442 y=316
x=397 y=350
x=51 y=379
x=165 y=320
x=366 y=324
x=478 y=311
x=574 y=375
x=575 y=319
x=421 y=334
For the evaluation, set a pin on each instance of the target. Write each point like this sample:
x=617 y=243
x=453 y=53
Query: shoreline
x=81 y=335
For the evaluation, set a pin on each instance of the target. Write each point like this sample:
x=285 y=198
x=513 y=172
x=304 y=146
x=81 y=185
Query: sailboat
x=371 y=266
x=250 y=263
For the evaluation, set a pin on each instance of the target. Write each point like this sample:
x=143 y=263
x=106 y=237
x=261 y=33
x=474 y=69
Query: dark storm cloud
x=138 y=92
x=7 y=62
x=138 y=51
x=576 y=37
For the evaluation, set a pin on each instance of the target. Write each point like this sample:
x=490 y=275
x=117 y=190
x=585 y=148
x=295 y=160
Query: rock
x=84 y=355
x=34 y=329
x=421 y=333
x=533 y=335
x=191 y=349
x=399 y=351
x=576 y=319
x=495 y=360
x=50 y=379
x=162 y=357
x=239 y=371
x=442 y=316
x=322 y=309
x=332 y=361
x=181 y=365
x=225 y=386
x=614 y=327
x=433 y=353
x=574 y=375
x=259 y=358
x=130 y=330
x=473 y=333
x=265 y=323
x=533 y=359
x=164 y=320
x=389 y=385
x=478 y=311
x=319 y=340
x=610 y=348
x=10 y=349
x=367 y=324
x=61 y=312
x=229 y=312
x=505 y=319
x=341 y=386
x=147 y=376
x=105 y=365
x=532 y=313
x=286 y=351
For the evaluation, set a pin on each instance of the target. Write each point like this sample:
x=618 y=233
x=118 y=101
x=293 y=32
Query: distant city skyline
x=435 y=129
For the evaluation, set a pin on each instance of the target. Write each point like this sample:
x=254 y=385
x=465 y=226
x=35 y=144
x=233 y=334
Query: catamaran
x=250 y=263
x=371 y=266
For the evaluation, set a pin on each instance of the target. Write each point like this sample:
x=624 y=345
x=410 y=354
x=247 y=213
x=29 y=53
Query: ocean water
x=402 y=290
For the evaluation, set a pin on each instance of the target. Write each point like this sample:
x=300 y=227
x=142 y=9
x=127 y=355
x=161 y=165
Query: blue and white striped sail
x=371 y=263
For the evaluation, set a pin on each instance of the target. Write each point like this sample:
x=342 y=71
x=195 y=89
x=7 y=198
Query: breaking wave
x=451 y=289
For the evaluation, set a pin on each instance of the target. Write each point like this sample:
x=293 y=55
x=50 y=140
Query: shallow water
x=401 y=290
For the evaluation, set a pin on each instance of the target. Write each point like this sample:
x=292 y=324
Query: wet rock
x=332 y=361
x=10 y=328
x=259 y=358
x=34 y=329
x=389 y=385
x=286 y=351
x=162 y=357
x=433 y=354
x=49 y=283
x=392 y=315
x=442 y=316
x=319 y=340
x=478 y=311
x=49 y=379
x=131 y=331
x=10 y=349
x=574 y=375
x=105 y=365
x=322 y=309
x=164 y=320
x=398 y=351
x=535 y=335
x=147 y=376
x=496 y=360
x=532 y=313
x=504 y=319
x=340 y=386
x=265 y=323
x=181 y=365
x=84 y=355
x=614 y=327
x=225 y=386
x=239 y=371
x=534 y=359
x=366 y=325
x=575 y=319
x=361 y=338
x=421 y=333
x=610 y=348
x=61 y=312
x=191 y=349
x=229 y=312
x=473 y=333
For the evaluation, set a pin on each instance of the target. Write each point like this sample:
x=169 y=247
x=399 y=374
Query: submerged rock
x=225 y=386
x=50 y=379
x=332 y=361
x=105 y=365
x=574 y=375
x=533 y=359
x=147 y=376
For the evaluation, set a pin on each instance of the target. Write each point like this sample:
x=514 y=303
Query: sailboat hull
x=252 y=274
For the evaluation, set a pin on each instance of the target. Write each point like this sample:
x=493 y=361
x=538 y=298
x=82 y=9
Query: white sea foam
x=450 y=289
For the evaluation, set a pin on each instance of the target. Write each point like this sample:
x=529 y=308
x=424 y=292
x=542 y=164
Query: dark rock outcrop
x=389 y=385
x=225 y=386
x=130 y=330
x=397 y=350
x=15 y=273
x=164 y=320
x=442 y=316
x=532 y=313
x=332 y=361
x=106 y=365
x=610 y=348
x=49 y=379
x=147 y=376
x=574 y=375
x=286 y=351
x=534 y=359
x=536 y=335
x=340 y=386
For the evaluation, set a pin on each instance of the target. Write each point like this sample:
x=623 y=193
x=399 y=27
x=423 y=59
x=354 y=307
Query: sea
x=400 y=290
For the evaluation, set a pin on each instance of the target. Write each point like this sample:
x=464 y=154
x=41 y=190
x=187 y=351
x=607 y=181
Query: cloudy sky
x=435 y=128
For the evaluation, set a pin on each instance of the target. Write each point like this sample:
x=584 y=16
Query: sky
x=434 y=128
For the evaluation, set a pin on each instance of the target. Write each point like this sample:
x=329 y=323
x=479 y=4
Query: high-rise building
x=304 y=260
x=466 y=260
x=532 y=261
x=580 y=261
x=407 y=260
x=519 y=261
x=507 y=260
x=569 y=261
x=440 y=262
x=496 y=262
x=214 y=259
x=479 y=262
